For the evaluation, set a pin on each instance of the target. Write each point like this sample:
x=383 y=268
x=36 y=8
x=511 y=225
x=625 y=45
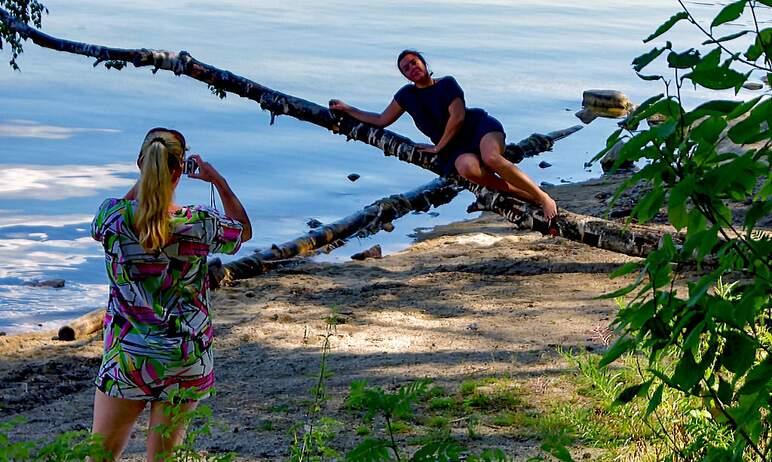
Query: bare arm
x=230 y=203
x=392 y=112
x=233 y=208
x=457 y=112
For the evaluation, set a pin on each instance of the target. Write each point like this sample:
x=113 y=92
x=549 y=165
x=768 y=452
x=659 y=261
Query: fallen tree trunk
x=367 y=221
x=85 y=325
x=220 y=81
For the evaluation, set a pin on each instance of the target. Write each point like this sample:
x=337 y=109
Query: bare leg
x=470 y=167
x=157 y=445
x=491 y=149
x=113 y=420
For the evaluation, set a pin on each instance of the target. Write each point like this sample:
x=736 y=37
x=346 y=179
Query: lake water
x=69 y=132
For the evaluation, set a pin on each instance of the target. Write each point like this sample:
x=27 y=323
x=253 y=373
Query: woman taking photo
x=157 y=329
x=468 y=140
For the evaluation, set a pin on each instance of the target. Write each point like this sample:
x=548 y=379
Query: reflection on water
x=69 y=133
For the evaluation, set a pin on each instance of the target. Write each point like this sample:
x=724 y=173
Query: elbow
x=246 y=232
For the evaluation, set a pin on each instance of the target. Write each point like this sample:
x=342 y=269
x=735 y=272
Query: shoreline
x=472 y=300
x=580 y=196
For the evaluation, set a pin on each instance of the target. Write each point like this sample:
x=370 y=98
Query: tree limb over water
x=603 y=234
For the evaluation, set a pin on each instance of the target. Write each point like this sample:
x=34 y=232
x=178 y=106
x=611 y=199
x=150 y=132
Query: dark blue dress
x=429 y=109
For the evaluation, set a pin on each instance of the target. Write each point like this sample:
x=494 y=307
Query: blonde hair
x=160 y=158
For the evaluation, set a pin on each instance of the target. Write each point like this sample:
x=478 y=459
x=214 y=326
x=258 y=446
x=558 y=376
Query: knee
x=493 y=158
x=467 y=169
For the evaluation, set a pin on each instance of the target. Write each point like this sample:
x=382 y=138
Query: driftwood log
x=367 y=221
x=85 y=325
x=606 y=235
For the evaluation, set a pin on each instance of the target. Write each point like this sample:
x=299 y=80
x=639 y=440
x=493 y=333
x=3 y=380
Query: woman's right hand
x=338 y=105
x=206 y=171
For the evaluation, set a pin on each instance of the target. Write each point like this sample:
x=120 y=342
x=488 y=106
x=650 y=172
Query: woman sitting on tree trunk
x=468 y=140
x=157 y=330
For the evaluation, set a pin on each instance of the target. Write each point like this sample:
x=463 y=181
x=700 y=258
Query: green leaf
x=649 y=205
x=719 y=78
x=619 y=347
x=627 y=268
x=677 y=212
x=692 y=340
x=758 y=378
x=739 y=353
x=627 y=395
x=709 y=130
x=655 y=400
x=687 y=373
x=370 y=450
x=446 y=450
x=667 y=25
x=643 y=60
x=716 y=107
x=648 y=77
x=729 y=13
x=726 y=38
x=684 y=60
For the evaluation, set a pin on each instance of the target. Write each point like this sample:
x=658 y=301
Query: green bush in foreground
x=720 y=338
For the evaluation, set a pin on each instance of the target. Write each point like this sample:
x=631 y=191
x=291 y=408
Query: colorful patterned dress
x=157 y=330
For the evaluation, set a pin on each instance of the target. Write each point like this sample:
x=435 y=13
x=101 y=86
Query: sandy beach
x=470 y=300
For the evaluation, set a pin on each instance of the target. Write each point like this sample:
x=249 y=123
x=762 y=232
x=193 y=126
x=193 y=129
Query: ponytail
x=155 y=195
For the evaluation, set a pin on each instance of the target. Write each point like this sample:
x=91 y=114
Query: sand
x=468 y=300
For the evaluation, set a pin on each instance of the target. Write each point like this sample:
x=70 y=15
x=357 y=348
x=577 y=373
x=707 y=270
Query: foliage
x=720 y=341
x=25 y=11
x=198 y=422
x=66 y=447
x=313 y=443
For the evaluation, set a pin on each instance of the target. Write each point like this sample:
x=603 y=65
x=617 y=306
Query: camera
x=189 y=166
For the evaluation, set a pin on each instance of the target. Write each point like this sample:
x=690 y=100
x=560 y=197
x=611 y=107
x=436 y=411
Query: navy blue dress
x=429 y=109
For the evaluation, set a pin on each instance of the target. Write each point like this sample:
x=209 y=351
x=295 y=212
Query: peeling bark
x=592 y=231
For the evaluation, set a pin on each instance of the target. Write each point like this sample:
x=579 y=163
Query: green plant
x=311 y=440
x=66 y=447
x=197 y=421
x=25 y=11
x=720 y=346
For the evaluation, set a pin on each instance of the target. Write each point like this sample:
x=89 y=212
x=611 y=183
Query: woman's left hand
x=428 y=148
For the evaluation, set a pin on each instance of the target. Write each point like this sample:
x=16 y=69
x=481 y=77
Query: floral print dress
x=157 y=328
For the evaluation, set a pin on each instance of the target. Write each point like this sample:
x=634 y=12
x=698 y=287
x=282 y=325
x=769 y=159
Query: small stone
x=313 y=223
x=433 y=214
x=2 y=334
x=372 y=252
x=52 y=283
x=753 y=86
x=587 y=164
x=388 y=227
x=249 y=294
x=603 y=195
x=544 y=164
x=353 y=177
x=563 y=180
x=546 y=184
x=611 y=156
x=586 y=116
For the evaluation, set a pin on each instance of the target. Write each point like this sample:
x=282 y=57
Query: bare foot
x=549 y=207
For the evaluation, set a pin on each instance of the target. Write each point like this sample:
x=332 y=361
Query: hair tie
x=161 y=140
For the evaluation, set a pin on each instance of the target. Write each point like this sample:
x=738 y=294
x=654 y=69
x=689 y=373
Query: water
x=69 y=133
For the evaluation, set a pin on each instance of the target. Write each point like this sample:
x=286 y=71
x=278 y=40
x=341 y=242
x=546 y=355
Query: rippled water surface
x=69 y=132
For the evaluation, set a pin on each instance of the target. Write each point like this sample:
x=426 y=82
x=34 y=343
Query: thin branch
x=721 y=45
